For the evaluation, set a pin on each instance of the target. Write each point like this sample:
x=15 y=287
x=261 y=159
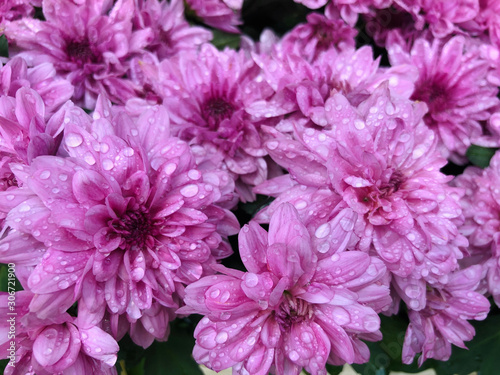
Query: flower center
x=135 y=229
x=292 y=311
x=214 y=110
x=434 y=95
x=80 y=51
x=393 y=185
x=384 y=190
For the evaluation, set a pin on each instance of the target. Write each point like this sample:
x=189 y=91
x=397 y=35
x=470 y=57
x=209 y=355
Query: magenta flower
x=127 y=216
x=221 y=14
x=453 y=84
x=318 y=35
x=14 y=9
x=302 y=88
x=171 y=32
x=291 y=310
x=207 y=95
x=444 y=16
x=88 y=44
x=25 y=134
x=376 y=164
x=57 y=345
x=42 y=78
x=481 y=205
x=444 y=321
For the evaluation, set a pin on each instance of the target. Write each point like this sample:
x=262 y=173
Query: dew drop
x=107 y=164
x=251 y=280
x=73 y=139
x=63 y=284
x=322 y=231
x=293 y=355
x=189 y=190
x=272 y=145
x=225 y=296
x=215 y=293
x=221 y=337
x=44 y=175
x=128 y=151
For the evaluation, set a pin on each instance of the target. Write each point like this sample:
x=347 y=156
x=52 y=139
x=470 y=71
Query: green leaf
x=480 y=156
x=251 y=208
x=173 y=356
x=334 y=370
x=130 y=358
x=4 y=46
x=222 y=40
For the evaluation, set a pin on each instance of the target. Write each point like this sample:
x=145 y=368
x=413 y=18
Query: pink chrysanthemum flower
x=444 y=16
x=291 y=310
x=55 y=346
x=453 y=83
x=221 y=14
x=88 y=44
x=481 y=205
x=302 y=88
x=379 y=162
x=444 y=321
x=171 y=32
x=318 y=35
x=25 y=134
x=42 y=78
x=127 y=216
x=14 y=9
x=207 y=95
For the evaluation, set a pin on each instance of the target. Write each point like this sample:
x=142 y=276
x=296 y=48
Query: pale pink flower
x=25 y=133
x=481 y=205
x=318 y=35
x=302 y=88
x=444 y=16
x=444 y=321
x=56 y=345
x=291 y=310
x=14 y=9
x=42 y=78
x=207 y=95
x=221 y=14
x=452 y=81
x=171 y=33
x=377 y=165
x=89 y=44
x=127 y=217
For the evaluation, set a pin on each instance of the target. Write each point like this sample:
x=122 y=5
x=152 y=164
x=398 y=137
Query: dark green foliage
x=222 y=40
x=278 y=15
x=4 y=46
x=161 y=358
x=480 y=156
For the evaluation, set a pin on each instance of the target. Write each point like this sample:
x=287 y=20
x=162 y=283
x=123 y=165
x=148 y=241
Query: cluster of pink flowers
x=127 y=141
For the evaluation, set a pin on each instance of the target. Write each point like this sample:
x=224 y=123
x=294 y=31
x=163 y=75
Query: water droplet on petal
x=221 y=337
x=272 y=145
x=322 y=231
x=189 y=191
x=44 y=175
x=225 y=296
x=107 y=164
x=293 y=355
x=63 y=284
x=74 y=139
x=251 y=280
